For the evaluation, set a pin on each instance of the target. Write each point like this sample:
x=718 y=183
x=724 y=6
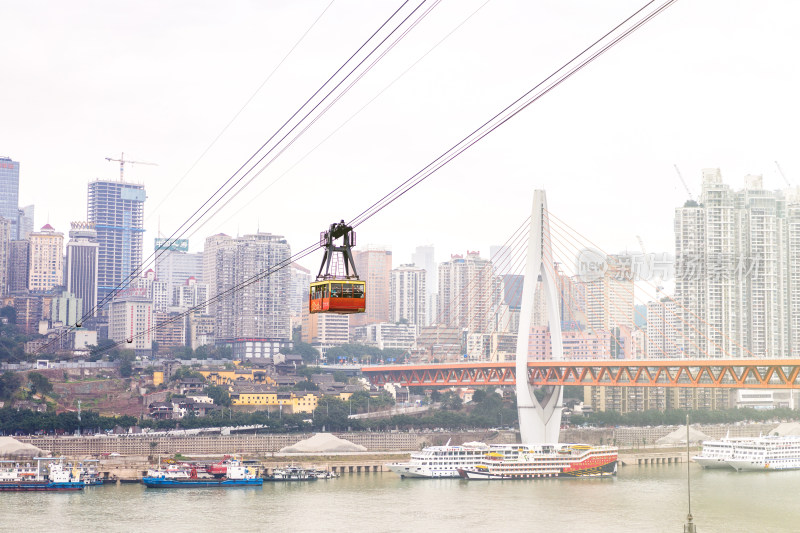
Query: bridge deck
x=714 y=373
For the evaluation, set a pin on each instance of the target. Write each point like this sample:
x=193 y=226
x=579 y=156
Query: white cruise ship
x=717 y=453
x=441 y=461
x=556 y=459
x=767 y=453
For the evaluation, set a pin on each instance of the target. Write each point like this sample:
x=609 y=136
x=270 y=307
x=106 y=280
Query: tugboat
x=237 y=475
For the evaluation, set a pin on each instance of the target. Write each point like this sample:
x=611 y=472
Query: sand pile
x=10 y=447
x=679 y=436
x=786 y=428
x=323 y=443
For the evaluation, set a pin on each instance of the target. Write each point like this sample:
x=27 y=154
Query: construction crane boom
x=689 y=192
x=782 y=174
x=122 y=162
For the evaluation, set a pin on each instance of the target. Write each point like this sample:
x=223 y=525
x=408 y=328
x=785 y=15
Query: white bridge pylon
x=539 y=422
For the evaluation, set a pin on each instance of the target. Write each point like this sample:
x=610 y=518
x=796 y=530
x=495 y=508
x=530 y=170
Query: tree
x=305 y=386
x=451 y=401
x=309 y=354
x=97 y=351
x=9 y=313
x=185 y=372
x=219 y=395
x=9 y=383
x=125 y=369
x=39 y=383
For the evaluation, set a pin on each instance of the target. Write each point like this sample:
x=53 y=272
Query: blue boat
x=237 y=475
x=188 y=483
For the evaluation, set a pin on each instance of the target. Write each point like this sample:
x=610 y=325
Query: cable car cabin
x=339 y=296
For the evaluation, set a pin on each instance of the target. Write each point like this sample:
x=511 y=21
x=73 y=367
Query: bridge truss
x=712 y=373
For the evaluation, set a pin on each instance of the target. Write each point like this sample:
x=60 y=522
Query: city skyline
x=586 y=141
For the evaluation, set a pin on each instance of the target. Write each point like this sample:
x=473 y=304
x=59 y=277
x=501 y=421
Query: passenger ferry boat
x=717 y=453
x=767 y=453
x=526 y=461
x=441 y=461
x=55 y=477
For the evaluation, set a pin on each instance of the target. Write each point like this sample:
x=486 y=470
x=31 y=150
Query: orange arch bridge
x=724 y=373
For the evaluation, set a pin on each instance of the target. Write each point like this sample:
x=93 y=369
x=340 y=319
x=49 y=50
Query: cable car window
x=347 y=291
x=336 y=290
x=358 y=290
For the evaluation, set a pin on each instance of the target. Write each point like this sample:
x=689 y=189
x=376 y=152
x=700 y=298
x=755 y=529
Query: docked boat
x=767 y=453
x=55 y=476
x=441 y=461
x=717 y=453
x=90 y=473
x=291 y=473
x=237 y=475
x=527 y=461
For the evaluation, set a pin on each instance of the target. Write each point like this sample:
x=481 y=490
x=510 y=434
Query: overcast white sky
x=709 y=83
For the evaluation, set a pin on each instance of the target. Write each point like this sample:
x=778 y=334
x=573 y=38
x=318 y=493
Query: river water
x=639 y=499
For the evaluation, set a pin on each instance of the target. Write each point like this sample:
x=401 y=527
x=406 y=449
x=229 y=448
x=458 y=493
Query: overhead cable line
x=559 y=76
x=288 y=144
x=241 y=109
x=351 y=117
x=552 y=81
x=178 y=233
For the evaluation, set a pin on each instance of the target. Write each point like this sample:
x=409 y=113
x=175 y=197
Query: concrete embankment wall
x=148 y=445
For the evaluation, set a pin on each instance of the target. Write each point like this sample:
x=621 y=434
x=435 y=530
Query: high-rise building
x=66 y=309
x=325 y=329
x=409 y=291
x=18 y=266
x=664 y=332
x=210 y=257
x=374 y=265
x=190 y=295
x=9 y=193
x=176 y=267
x=424 y=258
x=258 y=309
x=82 y=265
x=25 y=221
x=469 y=293
x=737 y=282
x=117 y=210
x=131 y=322
x=5 y=253
x=299 y=283
x=46 y=267
x=609 y=298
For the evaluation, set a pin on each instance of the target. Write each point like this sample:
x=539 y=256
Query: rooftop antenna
x=122 y=162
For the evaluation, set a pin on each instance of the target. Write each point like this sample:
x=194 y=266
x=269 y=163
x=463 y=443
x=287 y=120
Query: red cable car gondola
x=331 y=294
